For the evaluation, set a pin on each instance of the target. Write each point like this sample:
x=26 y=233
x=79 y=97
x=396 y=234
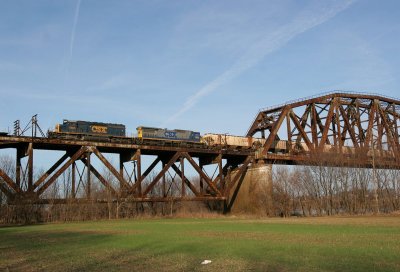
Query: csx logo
x=170 y=134
x=99 y=129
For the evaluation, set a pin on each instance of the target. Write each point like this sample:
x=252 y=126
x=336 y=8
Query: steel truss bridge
x=333 y=129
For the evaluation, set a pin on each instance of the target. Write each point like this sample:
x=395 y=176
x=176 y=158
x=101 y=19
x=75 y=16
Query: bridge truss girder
x=141 y=184
x=362 y=128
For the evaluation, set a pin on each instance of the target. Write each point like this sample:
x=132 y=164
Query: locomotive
x=174 y=135
x=85 y=130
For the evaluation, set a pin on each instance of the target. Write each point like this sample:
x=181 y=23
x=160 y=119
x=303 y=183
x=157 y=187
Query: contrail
x=71 y=44
x=270 y=43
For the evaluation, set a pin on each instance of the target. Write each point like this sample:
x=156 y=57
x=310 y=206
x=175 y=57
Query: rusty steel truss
x=140 y=184
x=335 y=129
x=360 y=130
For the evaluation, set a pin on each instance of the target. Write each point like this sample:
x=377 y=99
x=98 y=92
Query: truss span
x=361 y=127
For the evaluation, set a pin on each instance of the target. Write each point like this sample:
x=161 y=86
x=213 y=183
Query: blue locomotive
x=166 y=134
x=80 y=129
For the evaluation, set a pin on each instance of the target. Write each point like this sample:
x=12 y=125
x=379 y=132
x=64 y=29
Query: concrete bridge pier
x=255 y=192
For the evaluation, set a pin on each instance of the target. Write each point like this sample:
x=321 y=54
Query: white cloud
x=269 y=43
x=72 y=40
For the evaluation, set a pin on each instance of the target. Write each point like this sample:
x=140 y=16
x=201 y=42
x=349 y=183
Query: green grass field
x=233 y=244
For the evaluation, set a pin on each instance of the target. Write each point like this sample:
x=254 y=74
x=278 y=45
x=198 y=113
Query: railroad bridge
x=333 y=129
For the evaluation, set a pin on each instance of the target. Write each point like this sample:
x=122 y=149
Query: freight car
x=211 y=139
x=87 y=130
x=151 y=133
x=241 y=142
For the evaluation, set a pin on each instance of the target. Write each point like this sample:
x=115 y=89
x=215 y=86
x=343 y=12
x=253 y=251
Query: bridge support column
x=73 y=180
x=201 y=184
x=139 y=171
x=18 y=166
x=88 y=176
x=30 y=167
x=255 y=192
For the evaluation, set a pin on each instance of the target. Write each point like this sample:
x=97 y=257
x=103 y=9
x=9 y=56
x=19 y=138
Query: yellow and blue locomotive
x=85 y=130
x=167 y=134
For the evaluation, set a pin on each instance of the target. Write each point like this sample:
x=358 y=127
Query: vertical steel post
x=121 y=171
x=338 y=129
x=121 y=165
x=88 y=192
x=201 y=179
x=229 y=181
x=183 y=176
x=18 y=167
x=164 y=188
x=221 y=174
x=30 y=167
x=314 y=132
x=73 y=176
x=289 y=134
x=139 y=171
x=395 y=124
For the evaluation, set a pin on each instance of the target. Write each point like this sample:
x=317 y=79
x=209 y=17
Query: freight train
x=107 y=132
x=96 y=131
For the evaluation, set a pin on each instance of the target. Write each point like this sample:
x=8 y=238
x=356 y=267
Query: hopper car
x=211 y=139
x=228 y=140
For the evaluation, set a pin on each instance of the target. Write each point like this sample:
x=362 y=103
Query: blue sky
x=201 y=65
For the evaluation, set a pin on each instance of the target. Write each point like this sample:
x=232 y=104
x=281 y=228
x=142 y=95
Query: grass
x=233 y=244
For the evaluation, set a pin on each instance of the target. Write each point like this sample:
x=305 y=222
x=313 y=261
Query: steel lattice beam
x=336 y=124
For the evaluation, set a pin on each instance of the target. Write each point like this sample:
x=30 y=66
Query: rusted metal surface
x=50 y=171
x=109 y=166
x=9 y=182
x=204 y=177
x=352 y=126
x=335 y=129
x=62 y=145
x=171 y=161
x=100 y=178
x=185 y=180
x=53 y=178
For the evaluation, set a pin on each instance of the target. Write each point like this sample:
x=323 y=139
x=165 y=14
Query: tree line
x=314 y=190
x=319 y=190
